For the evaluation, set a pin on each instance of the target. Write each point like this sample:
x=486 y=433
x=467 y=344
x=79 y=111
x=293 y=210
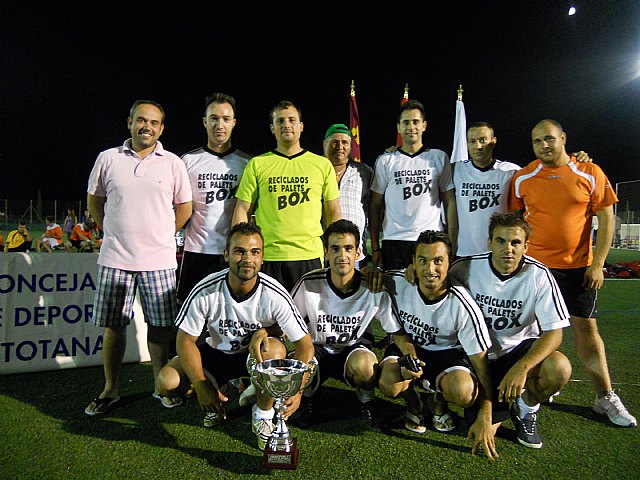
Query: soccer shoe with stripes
x=212 y=419
x=263 y=430
x=611 y=406
x=526 y=428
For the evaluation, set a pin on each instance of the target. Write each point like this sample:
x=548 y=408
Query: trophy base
x=273 y=459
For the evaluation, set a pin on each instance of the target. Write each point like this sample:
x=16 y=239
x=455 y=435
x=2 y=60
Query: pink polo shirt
x=139 y=220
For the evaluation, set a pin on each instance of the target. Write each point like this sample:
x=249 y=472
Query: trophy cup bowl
x=281 y=379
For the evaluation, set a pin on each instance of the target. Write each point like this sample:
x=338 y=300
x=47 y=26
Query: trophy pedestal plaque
x=279 y=459
x=280 y=379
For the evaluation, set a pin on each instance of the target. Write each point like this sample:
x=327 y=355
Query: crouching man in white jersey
x=525 y=313
x=448 y=347
x=339 y=310
x=240 y=307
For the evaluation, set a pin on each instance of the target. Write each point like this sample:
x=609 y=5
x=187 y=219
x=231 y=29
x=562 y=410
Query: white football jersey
x=335 y=319
x=451 y=321
x=214 y=180
x=479 y=193
x=515 y=307
x=231 y=321
x=411 y=185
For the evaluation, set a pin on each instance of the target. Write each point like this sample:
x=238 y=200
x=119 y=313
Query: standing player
x=240 y=306
x=339 y=309
x=409 y=185
x=481 y=187
x=560 y=197
x=525 y=314
x=448 y=336
x=214 y=172
x=289 y=187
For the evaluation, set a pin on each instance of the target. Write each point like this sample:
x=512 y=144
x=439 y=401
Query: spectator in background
x=19 y=240
x=52 y=236
x=70 y=221
x=82 y=237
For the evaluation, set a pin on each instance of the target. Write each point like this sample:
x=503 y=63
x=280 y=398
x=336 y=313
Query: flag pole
x=354 y=124
x=459 y=151
x=405 y=99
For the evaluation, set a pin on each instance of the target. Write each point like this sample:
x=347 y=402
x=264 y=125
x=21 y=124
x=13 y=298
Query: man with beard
x=244 y=311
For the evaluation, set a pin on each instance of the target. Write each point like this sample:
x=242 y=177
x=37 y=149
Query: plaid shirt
x=354 y=198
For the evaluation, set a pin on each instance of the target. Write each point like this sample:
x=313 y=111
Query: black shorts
x=289 y=272
x=436 y=364
x=397 y=254
x=581 y=302
x=223 y=366
x=194 y=267
x=502 y=365
x=333 y=365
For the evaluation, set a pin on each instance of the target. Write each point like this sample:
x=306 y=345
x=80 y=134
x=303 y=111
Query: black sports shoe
x=305 y=414
x=371 y=415
x=526 y=428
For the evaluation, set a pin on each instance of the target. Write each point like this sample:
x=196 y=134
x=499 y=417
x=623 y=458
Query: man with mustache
x=130 y=187
x=244 y=311
x=559 y=198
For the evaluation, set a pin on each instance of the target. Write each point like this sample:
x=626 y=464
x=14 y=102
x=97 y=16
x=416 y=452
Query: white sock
x=524 y=408
x=364 y=395
x=262 y=414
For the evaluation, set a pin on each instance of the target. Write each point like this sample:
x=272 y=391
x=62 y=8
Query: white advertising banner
x=46 y=308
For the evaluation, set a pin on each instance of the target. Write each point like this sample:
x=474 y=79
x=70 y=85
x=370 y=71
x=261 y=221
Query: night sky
x=69 y=73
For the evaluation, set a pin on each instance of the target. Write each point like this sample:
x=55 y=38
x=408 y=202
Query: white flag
x=460 y=135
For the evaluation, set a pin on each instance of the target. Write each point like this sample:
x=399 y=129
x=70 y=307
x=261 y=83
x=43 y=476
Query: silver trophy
x=281 y=379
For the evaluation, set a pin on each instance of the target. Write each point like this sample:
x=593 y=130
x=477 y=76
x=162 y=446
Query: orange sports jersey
x=55 y=232
x=559 y=204
x=79 y=230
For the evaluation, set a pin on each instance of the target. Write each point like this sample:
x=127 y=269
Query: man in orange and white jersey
x=560 y=197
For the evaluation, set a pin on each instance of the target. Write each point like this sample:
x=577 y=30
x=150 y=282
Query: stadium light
x=572 y=10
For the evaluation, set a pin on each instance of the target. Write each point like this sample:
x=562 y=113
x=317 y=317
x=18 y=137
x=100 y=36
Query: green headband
x=337 y=128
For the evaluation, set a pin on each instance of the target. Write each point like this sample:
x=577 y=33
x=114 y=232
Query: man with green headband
x=353 y=180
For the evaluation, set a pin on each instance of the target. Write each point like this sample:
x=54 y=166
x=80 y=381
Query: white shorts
x=53 y=242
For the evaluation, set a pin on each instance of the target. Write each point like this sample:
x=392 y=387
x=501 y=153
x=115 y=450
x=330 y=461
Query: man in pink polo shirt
x=130 y=187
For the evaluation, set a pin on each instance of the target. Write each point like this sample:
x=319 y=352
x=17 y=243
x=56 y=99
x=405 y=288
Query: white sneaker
x=612 y=406
x=263 y=430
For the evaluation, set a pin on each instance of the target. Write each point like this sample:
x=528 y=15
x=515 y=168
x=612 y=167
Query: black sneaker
x=371 y=415
x=305 y=414
x=526 y=428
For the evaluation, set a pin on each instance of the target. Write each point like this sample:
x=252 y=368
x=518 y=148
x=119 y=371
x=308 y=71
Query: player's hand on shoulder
x=582 y=157
x=373 y=277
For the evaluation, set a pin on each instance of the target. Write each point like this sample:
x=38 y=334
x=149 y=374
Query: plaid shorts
x=116 y=291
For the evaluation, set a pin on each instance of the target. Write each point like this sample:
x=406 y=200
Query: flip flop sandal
x=100 y=406
x=414 y=423
x=444 y=423
x=168 y=402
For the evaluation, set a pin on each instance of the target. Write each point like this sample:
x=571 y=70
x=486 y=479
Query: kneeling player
x=239 y=305
x=449 y=339
x=339 y=309
x=525 y=314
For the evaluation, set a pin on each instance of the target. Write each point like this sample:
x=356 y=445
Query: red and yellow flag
x=354 y=124
x=405 y=97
